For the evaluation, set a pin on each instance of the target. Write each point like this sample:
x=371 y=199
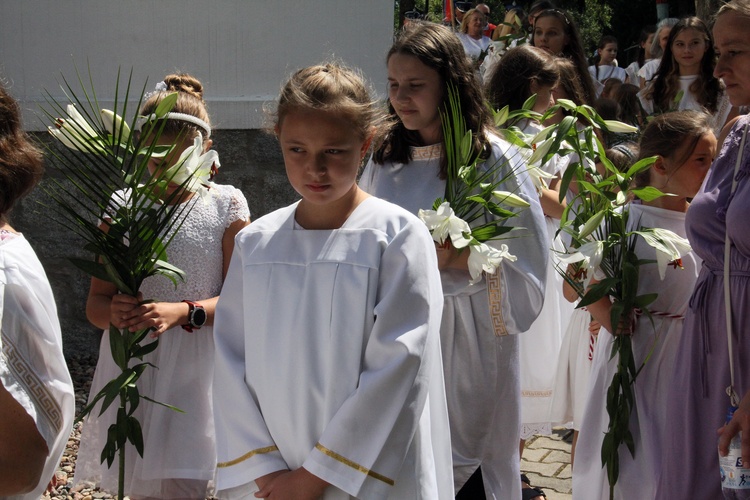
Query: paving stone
x=566 y=473
x=562 y=457
x=535 y=454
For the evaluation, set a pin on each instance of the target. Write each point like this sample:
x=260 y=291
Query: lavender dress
x=697 y=404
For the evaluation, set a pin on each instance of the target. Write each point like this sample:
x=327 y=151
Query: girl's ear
x=365 y=147
x=659 y=166
x=207 y=144
x=533 y=86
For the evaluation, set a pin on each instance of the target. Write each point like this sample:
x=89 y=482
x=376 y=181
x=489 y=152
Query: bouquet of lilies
x=602 y=243
x=100 y=156
x=458 y=219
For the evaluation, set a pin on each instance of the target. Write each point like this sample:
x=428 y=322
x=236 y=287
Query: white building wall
x=241 y=50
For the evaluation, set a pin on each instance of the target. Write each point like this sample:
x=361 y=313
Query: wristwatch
x=196 y=316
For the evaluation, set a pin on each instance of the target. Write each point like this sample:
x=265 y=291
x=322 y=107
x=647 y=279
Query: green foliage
x=592 y=22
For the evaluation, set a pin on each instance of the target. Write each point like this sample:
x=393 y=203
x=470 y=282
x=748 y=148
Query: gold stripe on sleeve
x=249 y=454
x=353 y=465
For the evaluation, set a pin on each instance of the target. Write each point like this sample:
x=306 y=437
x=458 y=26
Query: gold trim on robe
x=354 y=465
x=249 y=454
x=495 y=298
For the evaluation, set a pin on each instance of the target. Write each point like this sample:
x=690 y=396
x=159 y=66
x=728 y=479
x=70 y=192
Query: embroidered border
x=432 y=152
x=354 y=465
x=249 y=454
x=46 y=404
x=495 y=298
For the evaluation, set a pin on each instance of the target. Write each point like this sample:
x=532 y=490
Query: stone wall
x=251 y=161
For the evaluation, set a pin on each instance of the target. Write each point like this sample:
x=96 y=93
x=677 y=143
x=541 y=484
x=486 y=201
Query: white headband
x=177 y=116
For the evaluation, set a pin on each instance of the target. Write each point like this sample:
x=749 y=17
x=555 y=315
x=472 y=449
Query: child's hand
x=121 y=309
x=594 y=327
x=450 y=258
x=298 y=484
x=131 y=313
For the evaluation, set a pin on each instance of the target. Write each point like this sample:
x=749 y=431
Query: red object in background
x=448 y=10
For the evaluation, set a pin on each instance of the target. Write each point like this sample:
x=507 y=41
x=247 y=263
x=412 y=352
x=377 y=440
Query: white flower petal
x=484 y=258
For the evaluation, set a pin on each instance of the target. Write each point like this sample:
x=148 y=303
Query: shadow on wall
x=250 y=160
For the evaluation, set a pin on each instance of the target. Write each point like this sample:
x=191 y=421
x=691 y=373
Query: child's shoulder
x=381 y=215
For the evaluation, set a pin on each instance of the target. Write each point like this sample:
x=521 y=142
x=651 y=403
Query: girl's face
x=663 y=38
x=607 y=54
x=732 y=41
x=688 y=49
x=685 y=180
x=416 y=93
x=647 y=45
x=544 y=96
x=549 y=34
x=322 y=153
x=157 y=165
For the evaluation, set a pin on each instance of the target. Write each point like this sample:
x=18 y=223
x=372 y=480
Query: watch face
x=199 y=317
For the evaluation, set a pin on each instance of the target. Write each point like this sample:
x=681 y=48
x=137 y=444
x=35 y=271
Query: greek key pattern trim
x=22 y=371
x=495 y=298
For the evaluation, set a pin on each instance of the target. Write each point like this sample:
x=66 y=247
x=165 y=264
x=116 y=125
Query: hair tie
x=160 y=87
x=626 y=151
x=180 y=117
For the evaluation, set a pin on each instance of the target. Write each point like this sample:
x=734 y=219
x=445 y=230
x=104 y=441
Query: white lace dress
x=176 y=445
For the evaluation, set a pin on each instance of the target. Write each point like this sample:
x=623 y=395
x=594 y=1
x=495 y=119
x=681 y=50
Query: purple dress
x=697 y=404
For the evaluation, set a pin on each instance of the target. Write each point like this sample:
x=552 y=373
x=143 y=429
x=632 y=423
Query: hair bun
x=183 y=82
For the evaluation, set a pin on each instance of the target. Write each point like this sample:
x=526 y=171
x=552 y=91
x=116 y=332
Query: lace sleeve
x=238 y=209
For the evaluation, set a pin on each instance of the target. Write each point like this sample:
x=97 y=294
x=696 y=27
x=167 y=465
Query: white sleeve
x=363 y=447
x=518 y=291
x=244 y=447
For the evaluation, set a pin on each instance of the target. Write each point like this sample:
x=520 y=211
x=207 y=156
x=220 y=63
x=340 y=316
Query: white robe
x=689 y=101
x=328 y=357
x=481 y=369
x=637 y=475
x=540 y=346
x=32 y=367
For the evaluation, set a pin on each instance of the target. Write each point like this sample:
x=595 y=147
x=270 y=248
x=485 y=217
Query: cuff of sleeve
x=348 y=475
x=248 y=467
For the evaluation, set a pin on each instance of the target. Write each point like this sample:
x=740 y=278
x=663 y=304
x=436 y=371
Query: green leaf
x=117 y=347
x=135 y=435
x=166 y=104
x=648 y=193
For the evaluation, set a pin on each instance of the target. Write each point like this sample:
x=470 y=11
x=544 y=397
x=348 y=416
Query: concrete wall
x=241 y=50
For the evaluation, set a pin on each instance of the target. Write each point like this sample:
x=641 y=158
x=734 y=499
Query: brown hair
x=331 y=88
x=666 y=84
x=20 y=161
x=672 y=136
x=189 y=101
x=437 y=47
x=510 y=81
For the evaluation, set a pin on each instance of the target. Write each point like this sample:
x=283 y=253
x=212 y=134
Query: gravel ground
x=81 y=371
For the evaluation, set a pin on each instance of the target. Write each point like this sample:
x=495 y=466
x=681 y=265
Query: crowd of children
x=397 y=373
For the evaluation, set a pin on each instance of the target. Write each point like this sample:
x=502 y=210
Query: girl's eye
x=334 y=151
x=296 y=150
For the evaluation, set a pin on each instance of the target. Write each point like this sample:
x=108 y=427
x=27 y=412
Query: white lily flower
x=590 y=253
x=483 y=257
x=510 y=199
x=592 y=224
x=76 y=133
x=619 y=127
x=113 y=123
x=541 y=150
x=669 y=247
x=444 y=224
x=539 y=178
x=195 y=165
